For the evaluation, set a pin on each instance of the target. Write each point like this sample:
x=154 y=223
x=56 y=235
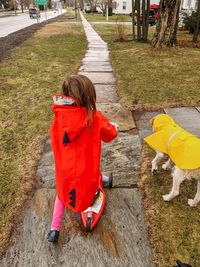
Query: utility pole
x=107 y=12
x=14 y=6
x=75 y=9
x=133 y=19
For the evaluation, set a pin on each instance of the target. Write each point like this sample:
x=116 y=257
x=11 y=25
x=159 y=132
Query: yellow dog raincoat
x=182 y=147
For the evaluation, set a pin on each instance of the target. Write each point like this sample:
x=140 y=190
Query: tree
x=142 y=19
x=197 y=24
x=133 y=18
x=145 y=19
x=167 y=24
x=137 y=8
x=104 y=4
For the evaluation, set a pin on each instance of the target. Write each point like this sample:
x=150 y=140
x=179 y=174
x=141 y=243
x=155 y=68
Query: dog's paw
x=192 y=203
x=165 y=167
x=167 y=197
x=154 y=171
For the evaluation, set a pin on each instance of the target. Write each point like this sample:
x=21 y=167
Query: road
x=12 y=24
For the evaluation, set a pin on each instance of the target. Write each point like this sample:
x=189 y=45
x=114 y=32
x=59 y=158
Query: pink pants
x=58 y=212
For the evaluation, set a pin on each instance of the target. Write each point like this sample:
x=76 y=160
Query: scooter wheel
x=89 y=224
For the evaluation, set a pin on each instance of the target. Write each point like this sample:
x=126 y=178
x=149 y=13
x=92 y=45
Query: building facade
x=188 y=6
x=125 y=6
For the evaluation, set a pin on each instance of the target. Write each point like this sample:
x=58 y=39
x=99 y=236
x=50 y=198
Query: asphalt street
x=12 y=24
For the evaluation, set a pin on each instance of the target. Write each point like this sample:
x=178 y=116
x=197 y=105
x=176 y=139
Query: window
x=189 y=3
x=124 y=5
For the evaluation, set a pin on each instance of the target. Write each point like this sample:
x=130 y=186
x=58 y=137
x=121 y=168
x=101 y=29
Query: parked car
x=153 y=15
x=34 y=13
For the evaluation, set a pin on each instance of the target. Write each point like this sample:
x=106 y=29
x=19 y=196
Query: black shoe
x=53 y=236
x=181 y=264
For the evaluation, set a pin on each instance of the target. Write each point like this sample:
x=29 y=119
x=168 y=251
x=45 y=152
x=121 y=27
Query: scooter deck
x=91 y=216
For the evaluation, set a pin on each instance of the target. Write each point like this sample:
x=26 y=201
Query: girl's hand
x=115 y=124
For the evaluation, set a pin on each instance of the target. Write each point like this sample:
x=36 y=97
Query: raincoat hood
x=162 y=121
x=71 y=118
x=181 y=146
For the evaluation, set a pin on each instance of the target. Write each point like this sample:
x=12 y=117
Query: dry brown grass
x=173 y=227
x=56 y=28
x=152 y=79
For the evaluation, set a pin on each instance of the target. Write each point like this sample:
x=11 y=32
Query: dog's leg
x=194 y=202
x=167 y=164
x=155 y=161
x=178 y=178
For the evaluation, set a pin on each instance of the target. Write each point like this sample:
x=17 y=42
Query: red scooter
x=91 y=216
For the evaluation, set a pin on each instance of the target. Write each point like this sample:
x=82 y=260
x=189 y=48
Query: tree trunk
x=138 y=20
x=196 y=31
x=22 y=7
x=167 y=25
x=133 y=18
x=145 y=19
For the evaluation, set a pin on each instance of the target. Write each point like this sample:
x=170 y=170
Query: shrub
x=189 y=22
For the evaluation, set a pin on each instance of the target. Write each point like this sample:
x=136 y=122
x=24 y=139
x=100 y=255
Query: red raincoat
x=77 y=151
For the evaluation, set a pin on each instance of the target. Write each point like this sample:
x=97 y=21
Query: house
x=188 y=6
x=125 y=6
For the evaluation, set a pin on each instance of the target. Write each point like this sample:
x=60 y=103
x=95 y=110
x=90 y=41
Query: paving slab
x=122 y=158
x=95 y=59
x=92 y=42
x=98 y=57
x=93 y=52
x=100 y=78
x=116 y=113
x=96 y=69
x=97 y=47
x=97 y=54
x=97 y=63
x=198 y=108
x=187 y=117
x=142 y=120
x=106 y=94
x=118 y=240
x=46 y=169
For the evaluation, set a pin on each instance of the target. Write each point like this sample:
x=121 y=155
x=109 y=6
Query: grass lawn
x=174 y=227
x=31 y=74
x=150 y=79
x=100 y=17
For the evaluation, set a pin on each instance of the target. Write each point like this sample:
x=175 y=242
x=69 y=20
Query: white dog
x=183 y=150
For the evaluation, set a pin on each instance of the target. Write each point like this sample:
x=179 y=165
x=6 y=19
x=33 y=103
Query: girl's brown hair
x=82 y=90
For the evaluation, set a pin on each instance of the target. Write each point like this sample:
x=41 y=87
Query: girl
x=76 y=135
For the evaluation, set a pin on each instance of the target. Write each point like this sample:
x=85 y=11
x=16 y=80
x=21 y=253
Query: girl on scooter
x=76 y=134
